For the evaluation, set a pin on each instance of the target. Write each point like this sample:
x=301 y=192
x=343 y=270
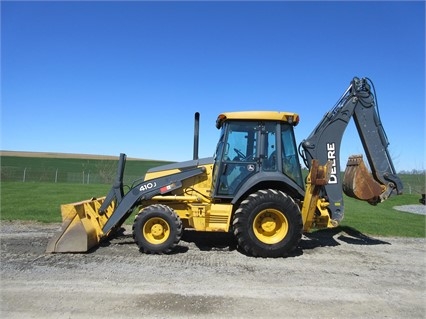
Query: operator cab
x=252 y=145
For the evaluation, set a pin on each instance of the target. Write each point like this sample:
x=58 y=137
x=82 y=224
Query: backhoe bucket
x=359 y=183
x=81 y=227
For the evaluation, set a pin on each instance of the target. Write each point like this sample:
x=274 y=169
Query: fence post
x=56 y=176
x=25 y=171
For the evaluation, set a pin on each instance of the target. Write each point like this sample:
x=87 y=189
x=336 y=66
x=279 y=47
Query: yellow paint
x=314 y=208
x=287 y=117
x=81 y=226
x=156 y=230
x=270 y=226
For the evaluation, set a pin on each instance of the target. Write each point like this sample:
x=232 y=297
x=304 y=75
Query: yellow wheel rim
x=270 y=226
x=156 y=230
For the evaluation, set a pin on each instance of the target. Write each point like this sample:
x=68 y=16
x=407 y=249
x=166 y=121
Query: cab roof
x=287 y=117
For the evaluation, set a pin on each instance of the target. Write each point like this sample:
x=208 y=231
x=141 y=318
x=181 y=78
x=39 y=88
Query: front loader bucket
x=359 y=183
x=81 y=227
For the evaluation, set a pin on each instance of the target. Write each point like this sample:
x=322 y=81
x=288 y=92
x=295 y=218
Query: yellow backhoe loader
x=252 y=186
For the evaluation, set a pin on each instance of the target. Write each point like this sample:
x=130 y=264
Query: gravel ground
x=414 y=209
x=336 y=273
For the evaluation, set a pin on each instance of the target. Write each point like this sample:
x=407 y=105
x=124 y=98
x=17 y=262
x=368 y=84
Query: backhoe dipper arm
x=324 y=142
x=375 y=144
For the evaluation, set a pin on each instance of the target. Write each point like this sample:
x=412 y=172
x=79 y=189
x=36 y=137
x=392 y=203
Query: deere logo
x=331 y=156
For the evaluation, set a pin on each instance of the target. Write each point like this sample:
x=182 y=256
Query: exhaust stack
x=196 y=134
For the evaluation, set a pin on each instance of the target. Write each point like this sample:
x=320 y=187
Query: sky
x=127 y=77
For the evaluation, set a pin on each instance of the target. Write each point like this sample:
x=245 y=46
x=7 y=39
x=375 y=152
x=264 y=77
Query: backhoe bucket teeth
x=81 y=227
x=359 y=183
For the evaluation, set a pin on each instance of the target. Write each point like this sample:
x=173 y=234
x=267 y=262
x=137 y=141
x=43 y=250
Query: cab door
x=238 y=159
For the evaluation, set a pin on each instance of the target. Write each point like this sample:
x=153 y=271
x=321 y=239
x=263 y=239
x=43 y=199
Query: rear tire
x=157 y=229
x=268 y=224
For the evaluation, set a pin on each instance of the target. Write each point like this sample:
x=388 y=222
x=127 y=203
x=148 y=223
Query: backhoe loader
x=253 y=185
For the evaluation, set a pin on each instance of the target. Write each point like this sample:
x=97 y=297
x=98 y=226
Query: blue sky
x=111 y=77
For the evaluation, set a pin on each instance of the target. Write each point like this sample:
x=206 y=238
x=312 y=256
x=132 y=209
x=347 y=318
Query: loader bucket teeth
x=359 y=183
x=81 y=228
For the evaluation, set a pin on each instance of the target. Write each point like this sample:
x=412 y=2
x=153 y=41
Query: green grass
x=382 y=219
x=414 y=183
x=45 y=169
x=41 y=202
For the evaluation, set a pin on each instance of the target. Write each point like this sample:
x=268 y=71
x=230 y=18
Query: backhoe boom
x=324 y=143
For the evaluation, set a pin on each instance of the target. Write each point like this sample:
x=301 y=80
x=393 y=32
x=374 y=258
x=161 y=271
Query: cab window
x=238 y=156
x=290 y=159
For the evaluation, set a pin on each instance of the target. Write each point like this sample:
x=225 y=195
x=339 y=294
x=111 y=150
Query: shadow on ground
x=334 y=236
x=220 y=241
x=210 y=240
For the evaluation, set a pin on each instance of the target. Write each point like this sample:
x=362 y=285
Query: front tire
x=157 y=229
x=268 y=224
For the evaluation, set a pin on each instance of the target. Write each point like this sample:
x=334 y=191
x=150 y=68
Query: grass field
x=382 y=219
x=76 y=170
x=40 y=201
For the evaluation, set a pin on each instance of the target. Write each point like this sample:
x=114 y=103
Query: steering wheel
x=239 y=153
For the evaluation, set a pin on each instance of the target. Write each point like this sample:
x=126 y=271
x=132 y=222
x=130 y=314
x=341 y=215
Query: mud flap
x=359 y=183
x=81 y=228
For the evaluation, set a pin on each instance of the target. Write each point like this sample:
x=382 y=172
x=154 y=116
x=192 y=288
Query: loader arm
x=324 y=142
x=145 y=191
x=88 y=222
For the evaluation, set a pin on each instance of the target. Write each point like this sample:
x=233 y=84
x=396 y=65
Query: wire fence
x=413 y=183
x=56 y=175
